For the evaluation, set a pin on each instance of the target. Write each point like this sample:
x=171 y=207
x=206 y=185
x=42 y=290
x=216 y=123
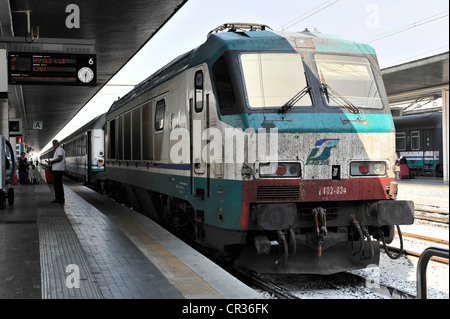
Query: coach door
x=198 y=124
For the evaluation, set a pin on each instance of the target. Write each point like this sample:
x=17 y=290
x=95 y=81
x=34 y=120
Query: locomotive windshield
x=351 y=77
x=271 y=79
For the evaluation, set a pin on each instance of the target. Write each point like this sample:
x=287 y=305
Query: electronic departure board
x=52 y=68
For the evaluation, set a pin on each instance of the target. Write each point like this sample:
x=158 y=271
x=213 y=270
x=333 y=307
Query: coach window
x=79 y=146
x=198 y=91
x=415 y=140
x=83 y=146
x=159 y=115
x=400 y=141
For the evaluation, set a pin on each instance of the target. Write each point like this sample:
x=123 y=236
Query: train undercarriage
x=314 y=237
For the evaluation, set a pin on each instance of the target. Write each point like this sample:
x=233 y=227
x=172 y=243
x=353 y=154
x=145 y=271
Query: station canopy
x=417 y=79
x=117 y=29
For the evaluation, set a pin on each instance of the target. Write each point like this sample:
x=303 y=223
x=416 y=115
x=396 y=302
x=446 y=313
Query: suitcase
x=48 y=176
x=404 y=171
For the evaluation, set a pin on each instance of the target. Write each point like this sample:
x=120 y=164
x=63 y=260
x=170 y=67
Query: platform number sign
x=52 y=68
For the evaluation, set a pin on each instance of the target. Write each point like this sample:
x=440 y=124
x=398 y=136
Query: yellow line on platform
x=181 y=276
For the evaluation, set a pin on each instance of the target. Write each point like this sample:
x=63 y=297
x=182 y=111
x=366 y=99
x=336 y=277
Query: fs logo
x=320 y=154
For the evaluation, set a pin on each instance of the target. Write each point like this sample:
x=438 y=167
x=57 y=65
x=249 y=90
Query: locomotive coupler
x=320 y=225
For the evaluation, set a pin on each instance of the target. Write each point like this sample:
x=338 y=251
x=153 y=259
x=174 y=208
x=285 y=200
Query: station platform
x=91 y=247
x=431 y=200
x=428 y=193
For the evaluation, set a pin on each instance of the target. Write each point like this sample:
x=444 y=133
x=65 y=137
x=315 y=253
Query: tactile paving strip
x=181 y=276
x=119 y=267
x=185 y=280
x=60 y=248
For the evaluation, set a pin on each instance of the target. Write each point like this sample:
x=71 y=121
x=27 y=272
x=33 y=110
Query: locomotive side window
x=147 y=132
x=159 y=115
x=400 y=141
x=415 y=140
x=120 y=139
x=223 y=85
x=136 y=134
x=112 y=139
x=348 y=77
x=127 y=136
x=272 y=79
x=198 y=78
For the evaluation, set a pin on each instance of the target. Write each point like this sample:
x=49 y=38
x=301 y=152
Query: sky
x=399 y=30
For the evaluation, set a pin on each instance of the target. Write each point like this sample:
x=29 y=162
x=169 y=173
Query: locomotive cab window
x=348 y=78
x=223 y=84
x=272 y=79
x=159 y=115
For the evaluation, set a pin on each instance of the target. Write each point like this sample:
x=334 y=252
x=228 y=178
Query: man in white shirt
x=58 y=163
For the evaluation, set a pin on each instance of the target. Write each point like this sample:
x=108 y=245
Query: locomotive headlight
x=367 y=168
x=379 y=168
x=277 y=170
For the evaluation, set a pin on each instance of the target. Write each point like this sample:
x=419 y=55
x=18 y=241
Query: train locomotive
x=274 y=149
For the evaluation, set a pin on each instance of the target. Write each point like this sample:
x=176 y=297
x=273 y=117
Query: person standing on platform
x=23 y=169
x=58 y=163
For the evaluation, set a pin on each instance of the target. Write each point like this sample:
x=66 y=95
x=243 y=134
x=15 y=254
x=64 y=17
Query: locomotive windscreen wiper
x=297 y=97
x=336 y=97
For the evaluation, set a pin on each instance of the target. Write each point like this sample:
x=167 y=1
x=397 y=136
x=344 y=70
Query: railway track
x=430 y=240
x=432 y=216
x=313 y=286
x=253 y=279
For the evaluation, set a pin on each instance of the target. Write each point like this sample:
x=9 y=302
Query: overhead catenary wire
x=296 y=21
x=418 y=23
